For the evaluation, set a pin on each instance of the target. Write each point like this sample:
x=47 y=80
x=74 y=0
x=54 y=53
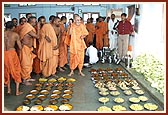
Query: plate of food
x=135 y=87
x=104 y=99
x=134 y=100
x=112 y=88
x=48 y=88
x=143 y=98
x=56 y=92
x=139 y=92
x=68 y=91
x=115 y=93
x=52 y=80
x=38 y=102
x=44 y=92
x=55 y=96
x=30 y=96
x=103 y=89
x=67 y=96
x=59 y=88
x=69 y=85
x=65 y=107
x=119 y=108
x=105 y=93
x=34 y=92
x=38 y=88
x=61 y=79
x=70 y=80
x=150 y=106
x=53 y=101
x=37 y=108
x=38 y=85
x=64 y=101
x=118 y=100
x=22 y=108
x=26 y=102
x=41 y=97
x=42 y=80
x=136 y=107
x=104 y=109
x=51 y=108
x=128 y=92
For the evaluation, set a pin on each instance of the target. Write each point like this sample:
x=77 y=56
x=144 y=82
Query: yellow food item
x=53 y=107
x=52 y=80
x=103 y=93
x=22 y=108
x=119 y=108
x=42 y=79
x=128 y=92
x=71 y=80
x=115 y=93
x=139 y=92
x=104 y=109
x=143 y=98
x=104 y=99
x=134 y=100
x=61 y=79
x=150 y=106
x=40 y=107
x=119 y=100
x=136 y=107
x=65 y=107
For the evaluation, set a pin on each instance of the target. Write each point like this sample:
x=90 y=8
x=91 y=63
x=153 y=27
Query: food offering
x=136 y=87
x=52 y=80
x=65 y=101
x=104 y=93
x=119 y=70
x=115 y=93
x=30 y=96
x=104 y=100
x=136 y=107
x=61 y=79
x=67 y=96
x=34 y=92
x=65 y=107
x=143 y=98
x=22 y=108
x=42 y=80
x=150 y=106
x=38 y=102
x=38 y=88
x=38 y=85
x=68 y=92
x=128 y=92
x=139 y=92
x=118 y=108
x=41 y=97
x=69 y=85
x=59 y=88
x=51 y=108
x=53 y=101
x=48 y=88
x=56 y=92
x=118 y=100
x=26 y=102
x=55 y=96
x=104 y=109
x=70 y=80
x=44 y=92
x=134 y=100
x=37 y=108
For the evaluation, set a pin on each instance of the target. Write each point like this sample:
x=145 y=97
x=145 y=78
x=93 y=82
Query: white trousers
x=112 y=41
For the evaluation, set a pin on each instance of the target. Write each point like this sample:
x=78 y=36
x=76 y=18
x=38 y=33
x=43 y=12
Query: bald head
x=77 y=20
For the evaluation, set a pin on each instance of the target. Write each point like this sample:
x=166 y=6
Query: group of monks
x=42 y=47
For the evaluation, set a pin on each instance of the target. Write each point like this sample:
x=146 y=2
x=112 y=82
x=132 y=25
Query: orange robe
x=26 y=56
x=63 y=51
x=68 y=37
x=11 y=66
x=77 y=46
x=36 y=61
x=105 y=37
x=100 y=31
x=89 y=38
x=46 y=54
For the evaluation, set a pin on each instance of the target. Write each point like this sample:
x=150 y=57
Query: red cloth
x=125 y=28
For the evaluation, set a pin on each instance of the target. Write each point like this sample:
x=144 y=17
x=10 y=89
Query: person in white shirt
x=112 y=32
x=92 y=53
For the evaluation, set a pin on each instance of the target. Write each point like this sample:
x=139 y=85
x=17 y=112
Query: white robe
x=112 y=37
x=92 y=53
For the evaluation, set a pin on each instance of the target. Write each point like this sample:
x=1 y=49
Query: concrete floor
x=85 y=96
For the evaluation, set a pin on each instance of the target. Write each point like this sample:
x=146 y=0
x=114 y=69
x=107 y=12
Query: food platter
x=34 y=92
x=52 y=80
x=65 y=107
x=104 y=109
x=53 y=101
x=115 y=93
x=55 y=96
x=139 y=92
x=64 y=101
x=51 y=108
x=68 y=92
x=61 y=79
x=37 y=108
x=136 y=107
x=67 y=96
x=30 y=96
x=118 y=100
x=26 y=102
x=150 y=106
x=22 y=108
x=41 y=97
x=128 y=92
x=143 y=98
x=70 y=80
x=38 y=102
x=42 y=80
x=119 y=108
x=44 y=92
x=134 y=100
x=104 y=99
x=104 y=93
x=56 y=92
